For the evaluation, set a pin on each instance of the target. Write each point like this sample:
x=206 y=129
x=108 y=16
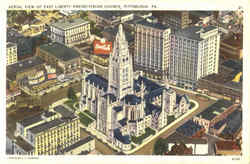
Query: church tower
x=120 y=67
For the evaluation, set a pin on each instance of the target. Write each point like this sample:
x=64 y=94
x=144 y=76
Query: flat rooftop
x=21 y=66
x=215 y=109
x=31 y=120
x=9 y=44
x=24 y=144
x=149 y=22
x=60 y=51
x=65 y=24
x=177 y=137
x=193 y=32
x=46 y=126
x=63 y=111
x=79 y=143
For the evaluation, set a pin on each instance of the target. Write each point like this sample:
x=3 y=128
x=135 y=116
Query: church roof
x=118 y=135
x=151 y=108
x=97 y=80
x=117 y=108
x=131 y=99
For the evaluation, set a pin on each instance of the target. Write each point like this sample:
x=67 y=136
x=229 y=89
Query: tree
x=160 y=147
x=72 y=94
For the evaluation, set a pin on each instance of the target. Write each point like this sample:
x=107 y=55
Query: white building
x=126 y=105
x=70 y=31
x=194 y=54
x=11 y=53
x=152 y=45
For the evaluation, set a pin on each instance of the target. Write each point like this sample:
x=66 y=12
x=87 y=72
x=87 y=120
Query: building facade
x=70 y=31
x=48 y=133
x=152 y=45
x=11 y=53
x=128 y=103
x=194 y=54
x=176 y=20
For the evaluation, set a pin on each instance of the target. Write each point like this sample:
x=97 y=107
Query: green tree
x=160 y=147
x=72 y=94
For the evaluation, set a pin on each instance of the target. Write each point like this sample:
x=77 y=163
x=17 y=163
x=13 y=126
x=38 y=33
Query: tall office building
x=152 y=45
x=11 y=53
x=176 y=20
x=70 y=31
x=194 y=54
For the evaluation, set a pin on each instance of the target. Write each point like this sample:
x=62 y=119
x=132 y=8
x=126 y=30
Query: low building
x=232 y=48
x=70 y=31
x=227 y=83
x=178 y=144
x=227 y=148
x=22 y=69
x=67 y=60
x=84 y=145
x=210 y=115
x=11 y=53
x=47 y=133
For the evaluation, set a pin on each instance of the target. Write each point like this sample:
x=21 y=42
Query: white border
x=161 y=5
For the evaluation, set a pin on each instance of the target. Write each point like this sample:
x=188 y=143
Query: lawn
x=192 y=104
x=138 y=140
x=170 y=119
x=85 y=120
x=70 y=103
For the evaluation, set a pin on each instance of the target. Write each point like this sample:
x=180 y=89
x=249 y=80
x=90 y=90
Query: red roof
x=227 y=145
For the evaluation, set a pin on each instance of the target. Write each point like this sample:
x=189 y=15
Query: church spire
x=120 y=67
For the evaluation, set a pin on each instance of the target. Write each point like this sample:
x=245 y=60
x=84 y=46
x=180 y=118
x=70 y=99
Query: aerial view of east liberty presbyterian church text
x=124 y=82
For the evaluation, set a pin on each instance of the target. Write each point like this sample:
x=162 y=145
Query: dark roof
x=24 y=144
x=117 y=108
x=233 y=64
x=151 y=108
x=123 y=122
x=111 y=96
x=210 y=112
x=97 y=80
x=24 y=65
x=124 y=139
x=201 y=13
x=179 y=97
x=78 y=143
x=192 y=32
x=64 y=111
x=234 y=123
x=177 y=137
x=46 y=126
x=189 y=128
x=60 y=51
x=149 y=84
x=131 y=99
x=31 y=120
x=112 y=31
x=147 y=22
